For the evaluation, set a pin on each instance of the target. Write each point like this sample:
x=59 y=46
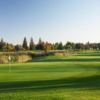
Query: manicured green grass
x=52 y=78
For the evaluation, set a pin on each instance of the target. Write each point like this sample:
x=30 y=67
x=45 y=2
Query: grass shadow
x=92 y=82
x=68 y=60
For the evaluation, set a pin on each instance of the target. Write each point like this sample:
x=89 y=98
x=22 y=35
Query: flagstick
x=9 y=59
x=9 y=68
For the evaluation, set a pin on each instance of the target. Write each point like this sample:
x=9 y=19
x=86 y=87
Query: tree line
x=46 y=46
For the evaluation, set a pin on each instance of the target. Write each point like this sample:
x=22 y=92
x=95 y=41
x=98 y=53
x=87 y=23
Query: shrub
x=3 y=59
x=23 y=58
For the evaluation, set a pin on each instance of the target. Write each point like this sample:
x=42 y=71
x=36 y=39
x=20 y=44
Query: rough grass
x=52 y=78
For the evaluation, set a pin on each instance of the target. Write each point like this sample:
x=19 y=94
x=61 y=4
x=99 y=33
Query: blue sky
x=52 y=20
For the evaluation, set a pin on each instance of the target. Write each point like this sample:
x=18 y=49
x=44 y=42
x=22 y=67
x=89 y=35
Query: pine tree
x=40 y=44
x=1 y=44
x=31 y=45
x=60 y=46
x=25 y=46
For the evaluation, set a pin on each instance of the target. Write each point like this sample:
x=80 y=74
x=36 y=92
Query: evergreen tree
x=40 y=45
x=60 y=46
x=70 y=46
x=25 y=46
x=18 y=47
x=56 y=45
x=31 y=45
x=79 y=46
x=2 y=44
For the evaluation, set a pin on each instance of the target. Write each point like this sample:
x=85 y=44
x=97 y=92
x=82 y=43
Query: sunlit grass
x=52 y=78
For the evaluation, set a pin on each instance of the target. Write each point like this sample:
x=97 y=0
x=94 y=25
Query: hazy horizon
x=52 y=20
